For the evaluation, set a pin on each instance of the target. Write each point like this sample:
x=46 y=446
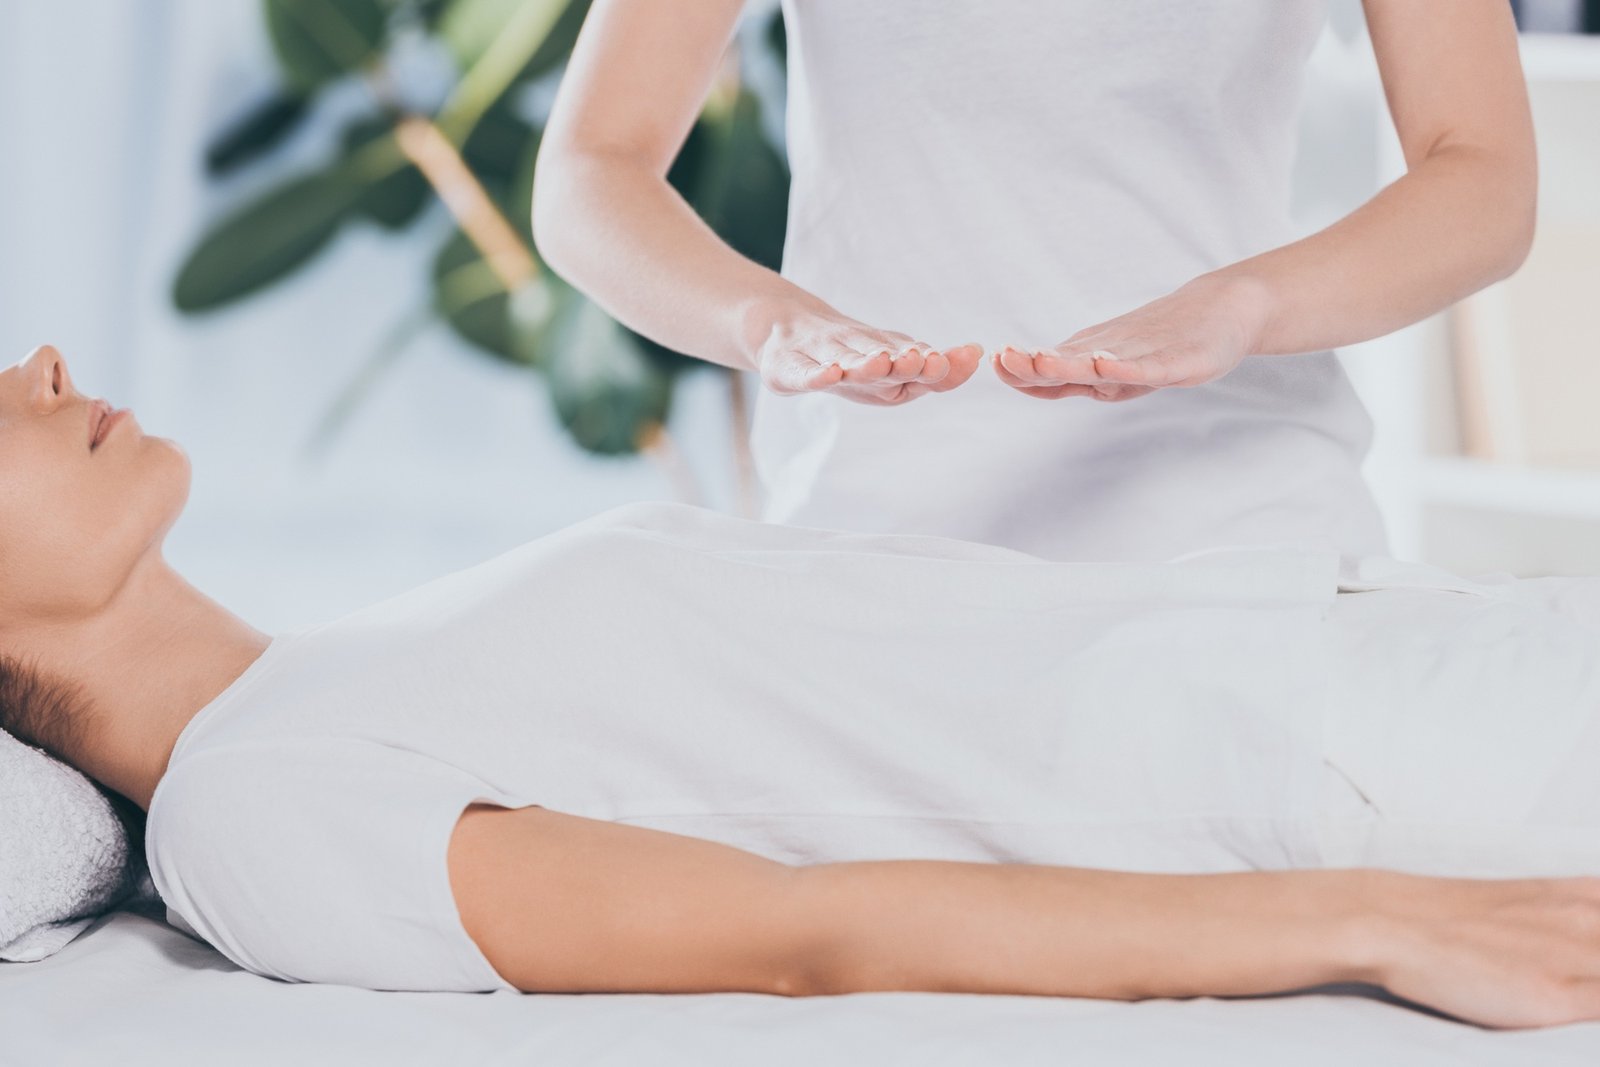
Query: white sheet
x=135 y=992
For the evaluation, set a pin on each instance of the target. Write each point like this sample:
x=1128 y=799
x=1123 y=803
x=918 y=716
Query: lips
x=100 y=416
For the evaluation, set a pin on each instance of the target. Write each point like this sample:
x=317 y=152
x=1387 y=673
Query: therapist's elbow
x=1516 y=241
x=1519 y=208
x=559 y=213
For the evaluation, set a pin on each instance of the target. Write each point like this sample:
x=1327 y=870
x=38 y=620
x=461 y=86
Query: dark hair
x=38 y=710
x=51 y=715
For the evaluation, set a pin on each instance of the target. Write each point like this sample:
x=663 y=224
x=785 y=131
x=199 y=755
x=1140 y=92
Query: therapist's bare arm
x=606 y=219
x=562 y=903
x=1462 y=216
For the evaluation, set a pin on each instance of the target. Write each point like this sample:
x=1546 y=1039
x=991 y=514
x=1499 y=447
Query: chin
x=171 y=470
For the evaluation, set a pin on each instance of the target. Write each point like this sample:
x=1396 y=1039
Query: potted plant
x=472 y=154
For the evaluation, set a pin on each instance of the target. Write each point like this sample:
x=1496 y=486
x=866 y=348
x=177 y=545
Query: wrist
x=766 y=319
x=1251 y=303
x=1365 y=937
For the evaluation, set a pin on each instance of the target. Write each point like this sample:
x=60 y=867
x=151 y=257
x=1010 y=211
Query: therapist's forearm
x=623 y=235
x=1003 y=928
x=1460 y=220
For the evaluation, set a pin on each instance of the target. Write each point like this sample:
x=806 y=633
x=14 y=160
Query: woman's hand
x=1189 y=337
x=824 y=351
x=1499 y=952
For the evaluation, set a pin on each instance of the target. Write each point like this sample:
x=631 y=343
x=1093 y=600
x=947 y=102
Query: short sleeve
x=321 y=860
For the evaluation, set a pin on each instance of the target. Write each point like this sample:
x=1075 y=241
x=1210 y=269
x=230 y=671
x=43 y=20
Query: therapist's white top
x=1012 y=172
x=814 y=696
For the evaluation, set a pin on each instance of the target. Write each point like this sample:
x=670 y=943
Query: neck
x=142 y=667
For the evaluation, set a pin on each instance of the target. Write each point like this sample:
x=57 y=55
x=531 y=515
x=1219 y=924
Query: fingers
x=962 y=364
x=795 y=372
x=877 y=368
x=939 y=372
x=1057 y=365
x=861 y=364
x=1043 y=392
x=1139 y=363
x=1051 y=375
x=821 y=376
x=907 y=365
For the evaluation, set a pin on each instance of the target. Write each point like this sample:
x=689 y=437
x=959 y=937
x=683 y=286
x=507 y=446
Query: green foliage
x=269 y=238
x=609 y=386
x=260 y=131
x=469 y=296
x=605 y=390
x=316 y=41
x=394 y=200
x=470 y=27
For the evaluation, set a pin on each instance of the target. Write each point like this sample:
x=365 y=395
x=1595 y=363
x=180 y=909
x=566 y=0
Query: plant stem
x=498 y=67
x=441 y=164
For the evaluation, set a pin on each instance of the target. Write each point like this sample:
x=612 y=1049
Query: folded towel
x=65 y=854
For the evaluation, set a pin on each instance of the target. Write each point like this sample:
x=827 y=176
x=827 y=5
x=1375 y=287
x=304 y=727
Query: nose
x=46 y=371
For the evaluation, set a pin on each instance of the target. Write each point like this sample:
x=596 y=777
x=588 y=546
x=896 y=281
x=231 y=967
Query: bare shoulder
x=564 y=903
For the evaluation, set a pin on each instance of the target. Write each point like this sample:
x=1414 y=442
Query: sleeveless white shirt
x=1012 y=172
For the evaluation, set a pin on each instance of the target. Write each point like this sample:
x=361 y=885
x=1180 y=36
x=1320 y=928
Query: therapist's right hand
x=825 y=351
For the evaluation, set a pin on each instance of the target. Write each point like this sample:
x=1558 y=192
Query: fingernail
x=1101 y=353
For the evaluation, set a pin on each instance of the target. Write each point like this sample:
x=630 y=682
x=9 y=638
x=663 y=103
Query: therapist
x=990 y=201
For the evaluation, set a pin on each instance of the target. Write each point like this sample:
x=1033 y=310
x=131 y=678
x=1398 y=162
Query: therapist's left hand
x=1189 y=337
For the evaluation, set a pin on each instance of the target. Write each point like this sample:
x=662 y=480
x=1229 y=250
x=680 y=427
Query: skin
x=88 y=596
x=559 y=902
x=605 y=217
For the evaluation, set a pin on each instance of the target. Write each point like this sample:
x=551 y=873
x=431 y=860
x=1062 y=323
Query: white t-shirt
x=1009 y=173
x=815 y=696
x=804 y=694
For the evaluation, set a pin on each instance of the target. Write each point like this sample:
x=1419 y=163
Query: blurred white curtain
x=106 y=107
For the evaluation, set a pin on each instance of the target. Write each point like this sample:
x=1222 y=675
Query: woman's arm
x=606 y=218
x=1461 y=218
x=561 y=903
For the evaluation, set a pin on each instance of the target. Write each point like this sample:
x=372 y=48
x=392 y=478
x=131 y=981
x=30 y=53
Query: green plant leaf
x=393 y=200
x=265 y=240
x=431 y=11
x=471 y=299
x=604 y=390
x=317 y=41
x=497 y=147
x=776 y=37
x=693 y=163
x=558 y=43
x=746 y=195
x=261 y=129
x=519 y=206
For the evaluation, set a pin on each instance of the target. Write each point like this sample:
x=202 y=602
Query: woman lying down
x=667 y=750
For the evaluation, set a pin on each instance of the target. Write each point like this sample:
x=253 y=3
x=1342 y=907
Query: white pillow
x=65 y=855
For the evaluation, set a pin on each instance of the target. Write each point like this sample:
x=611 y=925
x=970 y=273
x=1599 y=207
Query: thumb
x=796 y=372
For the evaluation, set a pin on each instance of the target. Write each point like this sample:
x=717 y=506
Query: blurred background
x=292 y=235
